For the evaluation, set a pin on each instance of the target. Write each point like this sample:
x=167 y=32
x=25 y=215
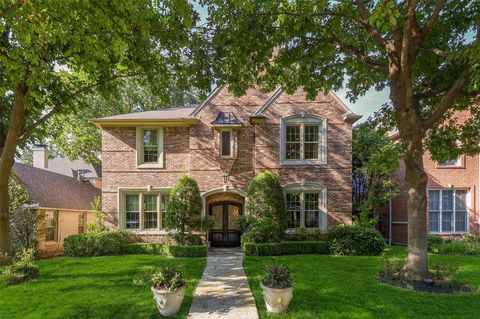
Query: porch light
x=225 y=176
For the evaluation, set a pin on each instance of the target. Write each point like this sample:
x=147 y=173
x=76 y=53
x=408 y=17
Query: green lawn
x=346 y=287
x=100 y=287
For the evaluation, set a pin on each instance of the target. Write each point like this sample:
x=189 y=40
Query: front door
x=225 y=233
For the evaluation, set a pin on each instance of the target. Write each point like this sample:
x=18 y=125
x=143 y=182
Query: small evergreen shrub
x=22 y=269
x=265 y=211
x=277 y=276
x=97 y=244
x=286 y=248
x=355 y=240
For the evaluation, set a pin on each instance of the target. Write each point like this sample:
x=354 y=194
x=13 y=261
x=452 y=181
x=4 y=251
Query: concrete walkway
x=223 y=291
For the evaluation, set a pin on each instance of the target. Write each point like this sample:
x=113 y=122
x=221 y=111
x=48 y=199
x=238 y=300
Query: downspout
x=390 y=219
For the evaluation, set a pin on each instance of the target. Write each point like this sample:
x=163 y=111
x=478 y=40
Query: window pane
x=151 y=219
x=461 y=221
x=163 y=207
x=434 y=200
x=132 y=220
x=150 y=203
x=447 y=221
x=292 y=147
x=132 y=203
x=311 y=141
x=293 y=209
x=312 y=214
x=460 y=200
x=226 y=143
x=447 y=200
x=311 y=133
x=150 y=137
x=434 y=221
x=150 y=146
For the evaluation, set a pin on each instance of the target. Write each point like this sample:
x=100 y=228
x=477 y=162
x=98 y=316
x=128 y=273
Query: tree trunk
x=7 y=157
x=416 y=267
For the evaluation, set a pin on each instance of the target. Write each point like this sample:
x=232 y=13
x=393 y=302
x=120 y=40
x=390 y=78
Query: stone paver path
x=223 y=291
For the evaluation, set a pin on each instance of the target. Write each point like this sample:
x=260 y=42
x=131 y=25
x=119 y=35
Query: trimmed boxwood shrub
x=164 y=250
x=355 y=240
x=285 y=248
x=97 y=244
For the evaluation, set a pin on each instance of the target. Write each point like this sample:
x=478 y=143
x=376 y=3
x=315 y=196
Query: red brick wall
x=195 y=151
x=465 y=177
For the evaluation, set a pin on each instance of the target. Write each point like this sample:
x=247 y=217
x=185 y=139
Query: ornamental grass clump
x=277 y=276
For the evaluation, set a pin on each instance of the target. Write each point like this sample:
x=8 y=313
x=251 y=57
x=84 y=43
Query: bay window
x=448 y=211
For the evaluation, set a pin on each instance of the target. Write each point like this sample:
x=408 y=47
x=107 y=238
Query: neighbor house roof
x=52 y=190
x=150 y=117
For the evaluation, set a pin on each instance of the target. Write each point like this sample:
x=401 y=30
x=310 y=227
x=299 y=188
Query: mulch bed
x=434 y=287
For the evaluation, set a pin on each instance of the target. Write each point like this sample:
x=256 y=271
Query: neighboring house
x=453 y=198
x=76 y=169
x=63 y=204
x=223 y=143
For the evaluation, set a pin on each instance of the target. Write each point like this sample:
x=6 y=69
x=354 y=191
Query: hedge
x=355 y=240
x=164 y=250
x=286 y=248
x=96 y=244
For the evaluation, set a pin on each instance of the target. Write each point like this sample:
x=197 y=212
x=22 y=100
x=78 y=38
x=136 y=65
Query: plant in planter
x=277 y=288
x=168 y=287
x=207 y=224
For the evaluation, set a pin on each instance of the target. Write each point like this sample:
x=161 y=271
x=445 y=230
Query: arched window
x=303 y=140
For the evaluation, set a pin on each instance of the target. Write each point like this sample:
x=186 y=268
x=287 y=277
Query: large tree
x=425 y=52
x=53 y=53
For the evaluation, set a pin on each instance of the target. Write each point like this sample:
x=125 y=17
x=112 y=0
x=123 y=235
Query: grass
x=346 y=287
x=100 y=287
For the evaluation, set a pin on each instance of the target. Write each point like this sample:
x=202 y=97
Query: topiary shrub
x=97 y=244
x=184 y=208
x=355 y=240
x=265 y=208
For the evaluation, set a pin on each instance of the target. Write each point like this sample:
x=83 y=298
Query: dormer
x=226 y=126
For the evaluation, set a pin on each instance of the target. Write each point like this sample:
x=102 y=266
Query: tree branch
x=370 y=29
x=436 y=51
x=360 y=57
x=448 y=100
x=433 y=18
x=42 y=119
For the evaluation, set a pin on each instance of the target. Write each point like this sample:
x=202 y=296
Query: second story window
x=303 y=140
x=149 y=147
x=226 y=143
x=457 y=162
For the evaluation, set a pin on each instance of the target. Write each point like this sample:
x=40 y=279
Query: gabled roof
x=349 y=116
x=209 y=97
x=181 y=114
x=52 y=190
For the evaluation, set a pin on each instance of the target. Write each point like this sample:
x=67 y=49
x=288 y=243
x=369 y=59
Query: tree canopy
x=54 y=53
x=425 y=52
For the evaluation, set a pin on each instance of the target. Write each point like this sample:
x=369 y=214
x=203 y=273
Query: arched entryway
x=226 y=208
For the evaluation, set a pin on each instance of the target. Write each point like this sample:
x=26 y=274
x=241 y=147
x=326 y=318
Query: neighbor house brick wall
x=464 y=177
x=194 y=151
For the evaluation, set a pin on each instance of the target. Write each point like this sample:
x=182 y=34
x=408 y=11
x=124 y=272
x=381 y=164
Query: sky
x=365 y=105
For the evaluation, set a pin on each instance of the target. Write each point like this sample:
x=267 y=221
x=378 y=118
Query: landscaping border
x=286 y=248
x=163 y=250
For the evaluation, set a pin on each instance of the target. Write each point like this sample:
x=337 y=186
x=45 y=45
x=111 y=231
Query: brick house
x=453 y=198
x=223 y=143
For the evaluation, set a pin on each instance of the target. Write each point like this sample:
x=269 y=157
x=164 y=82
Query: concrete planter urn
x=168 y=303
x=277 y=299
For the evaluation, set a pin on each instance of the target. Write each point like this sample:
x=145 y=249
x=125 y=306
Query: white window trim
x=467 y=199
x=302 y=120
x=232 y=143
x=307 y=187
x=458 y=163
x=139 y=147
x=122 y=222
